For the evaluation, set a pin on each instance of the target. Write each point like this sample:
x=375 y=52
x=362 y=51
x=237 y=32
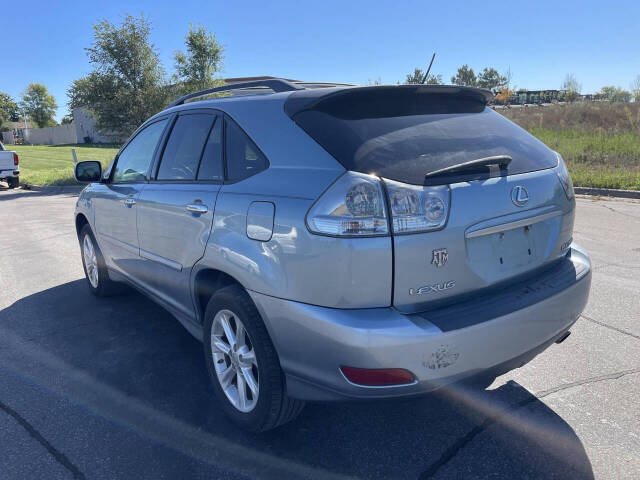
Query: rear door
x=175 y=211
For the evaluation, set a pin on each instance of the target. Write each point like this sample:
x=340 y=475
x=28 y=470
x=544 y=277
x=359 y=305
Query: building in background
x=81 y=130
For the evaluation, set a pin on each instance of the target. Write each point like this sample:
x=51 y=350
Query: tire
x=271 y=407
x=103 y=285
x=13 y=182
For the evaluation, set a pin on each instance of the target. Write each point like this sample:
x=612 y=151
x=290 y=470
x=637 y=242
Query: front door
x=115 y=203
x=175 y=210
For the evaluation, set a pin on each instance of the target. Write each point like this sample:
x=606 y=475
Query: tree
x=490 y=79
x=635 y=89
x=8 y=111
x=127 y=84
x=416 y=77
x=66 y=119
x=615 y=94
x=8 y=108
x=572 y=88
x=465 y=76
x=196 y=69
x=504 y=95
x=39 y=105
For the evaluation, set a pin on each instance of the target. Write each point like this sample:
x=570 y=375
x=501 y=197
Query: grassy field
x=53 y=164
x=600 y=141
x=597 y=159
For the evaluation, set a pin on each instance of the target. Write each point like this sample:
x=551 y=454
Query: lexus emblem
x=519 y=196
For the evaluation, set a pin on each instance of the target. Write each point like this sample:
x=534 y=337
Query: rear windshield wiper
x=501 y=161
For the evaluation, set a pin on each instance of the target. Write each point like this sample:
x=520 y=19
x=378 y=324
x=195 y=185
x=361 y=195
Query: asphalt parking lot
x=116 y=388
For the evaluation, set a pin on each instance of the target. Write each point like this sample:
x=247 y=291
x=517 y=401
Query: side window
x=211 y=163
x=184 y=147
x=133 y=162
x=243 y=157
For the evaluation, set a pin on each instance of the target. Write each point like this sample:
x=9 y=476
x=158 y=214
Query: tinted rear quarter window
x=244 y=159
x=185 y=147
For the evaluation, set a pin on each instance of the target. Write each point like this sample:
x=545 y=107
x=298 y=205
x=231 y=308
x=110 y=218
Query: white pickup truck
x=9 y=169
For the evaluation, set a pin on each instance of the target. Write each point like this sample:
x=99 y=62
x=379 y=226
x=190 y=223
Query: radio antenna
x=426 y=75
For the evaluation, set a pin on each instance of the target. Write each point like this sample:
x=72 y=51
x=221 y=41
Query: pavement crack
x=621 y=213
x=463 y=441
x=60 y=457
x=602 y=324
x=601 y=378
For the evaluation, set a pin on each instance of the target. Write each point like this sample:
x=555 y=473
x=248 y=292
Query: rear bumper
x=9 y=173
x=313 y=342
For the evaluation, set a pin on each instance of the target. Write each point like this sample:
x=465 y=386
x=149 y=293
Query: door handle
x=129 y=202
x=198 y=208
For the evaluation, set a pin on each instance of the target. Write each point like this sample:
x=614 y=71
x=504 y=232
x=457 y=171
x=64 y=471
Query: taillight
x=353 y=206
x=417 y=209
x=564 y=177
x=379 y=377
x=15 y=159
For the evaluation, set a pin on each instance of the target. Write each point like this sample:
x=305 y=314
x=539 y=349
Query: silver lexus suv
x=338 y=242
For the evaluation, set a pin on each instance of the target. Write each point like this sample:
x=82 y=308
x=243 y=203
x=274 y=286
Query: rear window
x=404 y=135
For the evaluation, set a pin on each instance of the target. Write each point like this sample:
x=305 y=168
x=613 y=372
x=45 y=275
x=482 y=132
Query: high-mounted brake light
x=379 y=377
x=15 y=159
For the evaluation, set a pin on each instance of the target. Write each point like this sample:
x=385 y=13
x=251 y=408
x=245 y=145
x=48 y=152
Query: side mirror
x=87 y=172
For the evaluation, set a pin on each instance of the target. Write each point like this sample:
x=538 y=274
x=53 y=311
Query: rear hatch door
x=488 y=240
x=504 y=221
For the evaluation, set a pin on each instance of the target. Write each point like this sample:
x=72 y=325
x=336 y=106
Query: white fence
x=7 y=138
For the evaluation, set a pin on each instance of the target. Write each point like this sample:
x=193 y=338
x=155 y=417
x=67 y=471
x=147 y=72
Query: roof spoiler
x=309 y=99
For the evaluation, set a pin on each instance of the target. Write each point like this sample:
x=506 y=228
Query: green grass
x=53 y=164
x=597 y=159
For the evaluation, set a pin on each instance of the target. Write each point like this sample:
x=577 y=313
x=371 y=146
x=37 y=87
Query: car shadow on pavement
x=7 y=193
x=133 y=346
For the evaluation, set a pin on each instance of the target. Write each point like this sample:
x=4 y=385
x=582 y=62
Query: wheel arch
x=81 y=221
x=206 y=282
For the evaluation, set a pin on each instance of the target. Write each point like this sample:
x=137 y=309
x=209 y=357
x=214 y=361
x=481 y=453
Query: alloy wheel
x=90 y=261
x=235 y=361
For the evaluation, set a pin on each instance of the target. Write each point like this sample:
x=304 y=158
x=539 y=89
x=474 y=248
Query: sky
x=342 y=41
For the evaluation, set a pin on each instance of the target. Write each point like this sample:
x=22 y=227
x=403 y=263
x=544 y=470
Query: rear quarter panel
x=295 y=264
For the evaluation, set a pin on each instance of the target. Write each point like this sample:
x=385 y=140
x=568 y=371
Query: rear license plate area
x=513 y=248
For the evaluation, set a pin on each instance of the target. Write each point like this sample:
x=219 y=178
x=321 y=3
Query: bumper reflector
x=380 y=377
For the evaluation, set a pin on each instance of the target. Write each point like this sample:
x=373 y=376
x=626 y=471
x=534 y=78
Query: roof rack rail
x=275 y=84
